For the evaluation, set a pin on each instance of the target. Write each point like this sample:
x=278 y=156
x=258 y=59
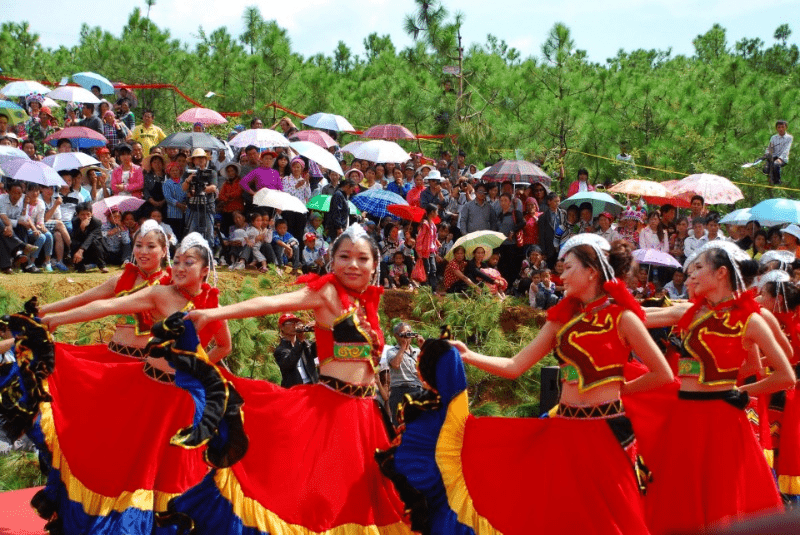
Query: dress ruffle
x=480 y=475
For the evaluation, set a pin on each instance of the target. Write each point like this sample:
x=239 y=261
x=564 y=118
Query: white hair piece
x=598 y=243
x=195 y=239
x=149 y=226
x=783 y=257
x=781 y=279
x=355 y=232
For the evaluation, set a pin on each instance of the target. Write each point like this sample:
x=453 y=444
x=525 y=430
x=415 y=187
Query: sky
x=601 y=27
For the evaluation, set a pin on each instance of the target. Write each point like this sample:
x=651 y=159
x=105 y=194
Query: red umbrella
x=681 y=201
x=202 y=116
x=80 y=136
x=318 y=137
x=410 y=213
x=516 y=171
x=388 y=131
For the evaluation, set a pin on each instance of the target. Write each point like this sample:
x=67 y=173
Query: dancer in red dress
x=476 y=473
x=310 y=466
x=105 y=436
x=708 y=466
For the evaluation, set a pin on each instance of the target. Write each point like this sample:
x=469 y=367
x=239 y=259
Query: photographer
x=295 y=355
x=201 y=191
x=402 y=360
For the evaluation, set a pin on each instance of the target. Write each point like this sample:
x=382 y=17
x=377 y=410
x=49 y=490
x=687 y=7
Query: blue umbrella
x=375 y=201
x=89 y=79
x=328 y=121
x=737 y=217
x=776 y=212
x=601 y=202
x=23 y=88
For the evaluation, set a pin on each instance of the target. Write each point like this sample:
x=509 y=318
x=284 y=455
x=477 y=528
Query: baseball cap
x=287 y=317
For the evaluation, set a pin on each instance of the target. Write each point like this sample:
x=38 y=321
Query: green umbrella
x=322 y=203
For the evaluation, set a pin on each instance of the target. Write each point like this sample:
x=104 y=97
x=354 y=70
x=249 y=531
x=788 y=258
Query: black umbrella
x=191 y=140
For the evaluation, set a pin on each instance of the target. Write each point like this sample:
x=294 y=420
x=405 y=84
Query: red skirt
x=309 y=467
x=787 y=464
x=708 y=469
x=108 y=430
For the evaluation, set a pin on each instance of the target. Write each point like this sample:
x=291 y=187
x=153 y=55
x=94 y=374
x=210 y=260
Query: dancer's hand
x=461 y=346
x=50 y=322
x=200 y=318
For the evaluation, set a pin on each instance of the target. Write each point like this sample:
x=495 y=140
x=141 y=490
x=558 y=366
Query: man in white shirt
x=692 y=242
x=778 y=151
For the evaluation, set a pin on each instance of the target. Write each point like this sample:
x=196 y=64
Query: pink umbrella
x=80 y=137
x=388 y=131
x=713 y=188
x=201 y=115
x=655 y=257
x=318 y=137
x=123 y=203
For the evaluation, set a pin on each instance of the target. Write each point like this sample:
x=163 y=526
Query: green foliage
x=19 y=470
x=9 y=302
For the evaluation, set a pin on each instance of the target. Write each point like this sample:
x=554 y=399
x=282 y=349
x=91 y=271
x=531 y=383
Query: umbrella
x=201 y=115
x=375 y=201
x=488 y=239
x=71 y=93
x=69 y=160
x=317 y=154
x=410 y=213
x=80 y=136
x=13 y=111
x=123 y=203
x=12 y=152
x=27 y=170
x=684 y=200
x=655 y=257
x=88 y=79
x=737 y=217
x=263 y=138
x=479 y=174
x=601 y=202
x=192 y=140
x=776 y=212
x=322 y=203
x=328 y=121
x=388 y=131
x=279 y=200
x=516 y=171
x=350 y=147
x=713 y=188
x=318 y=137
x=23 y=88
x=380 y=151
x=642 y=188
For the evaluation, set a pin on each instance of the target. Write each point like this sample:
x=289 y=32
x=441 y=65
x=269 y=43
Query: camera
x=305 y=329
x=202 y=179
x=409 y=334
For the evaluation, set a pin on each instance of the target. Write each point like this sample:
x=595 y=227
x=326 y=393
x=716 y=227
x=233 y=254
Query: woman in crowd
x=153 y=191
x=654 y=236
x=510 y=222
x=588 y=441
x=427 y=244
x=709 y=465
x=230 y=195
x=296 y=184
x=310 y=465
x=282 y=166
x=128 y=178
x=175 y=197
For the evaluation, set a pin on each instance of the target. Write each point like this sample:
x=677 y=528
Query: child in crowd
x=259 y=241
x=500 y=285
x=545 y=290
x=644 y=287
x=314 y=254
x=286 y=247
x=398 y=273
x=236 y=241
x=534 y=262
x=116 y=241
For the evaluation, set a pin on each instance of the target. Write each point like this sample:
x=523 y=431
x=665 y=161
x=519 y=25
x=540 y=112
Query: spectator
x=398 y=272
x=156 y=215
x=371 y=179
x=759 y=244
x=530 y=232
x=128 y=178
x=478 y=214
x=116 y=240
x=296 y=184
x=287 y=126
x=252 y=159
x=692 y=243
x=286 y=246
x=677 y=240
x=604 y=227
x=263 y=176
x=581 y=185
x=414 y=193
x=552 y=225
x=115 y=131
x=236 y=242
x=435 y=194
x=402 y=358
x=697 y=208
x=545 y=290
x=153 y=190
x=230 y=194
x=653 y=236
x=628 y=231
x=32 y=219
x=398 y=184
x=510 y=223
x=627 y=165
x=586 y=220
x=137 y=153
x=427 y=244
x=125 y=114
x=791 y=239
x=90 y=120
x=175 y=197
x=777 y=152
x=200 y=185
x=12 y=248
x=148 y=134
x=713 y=231
x=313 y=255
x=338 y=215
x=675 y=288
x=39 y=126
x=294 y=354
x=746 y=241
x=53 y=221
x=668 y=215
x=474 y=270
x=87 y=240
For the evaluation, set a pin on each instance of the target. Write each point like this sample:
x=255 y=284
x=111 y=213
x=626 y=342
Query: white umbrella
x=27 y=170
x=380 y=151
x=8 y=150
x=329 y=121
x=23 y=88
x=479 y=174
x=350 y=147
x=71 y=93
x=69 y=160
x=314 y=152
x=50 y=102
x=737 y=217
x=279 y=200
x=263 y=138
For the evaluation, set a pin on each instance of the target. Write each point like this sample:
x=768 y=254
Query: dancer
x=310 y=465
x=584 y=454
x=105 y=436
x=709 y=466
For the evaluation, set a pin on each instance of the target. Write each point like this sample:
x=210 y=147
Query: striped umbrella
x=376 y=201
x=516 y=171
x=388 y=131
x=318 y=137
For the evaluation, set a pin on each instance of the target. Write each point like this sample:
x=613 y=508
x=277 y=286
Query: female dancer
x=105 y=436
x=709 y=467
x=310 y=467
x=586 y=451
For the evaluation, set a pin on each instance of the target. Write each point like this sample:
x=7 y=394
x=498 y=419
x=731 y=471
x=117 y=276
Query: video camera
x=202 y=179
